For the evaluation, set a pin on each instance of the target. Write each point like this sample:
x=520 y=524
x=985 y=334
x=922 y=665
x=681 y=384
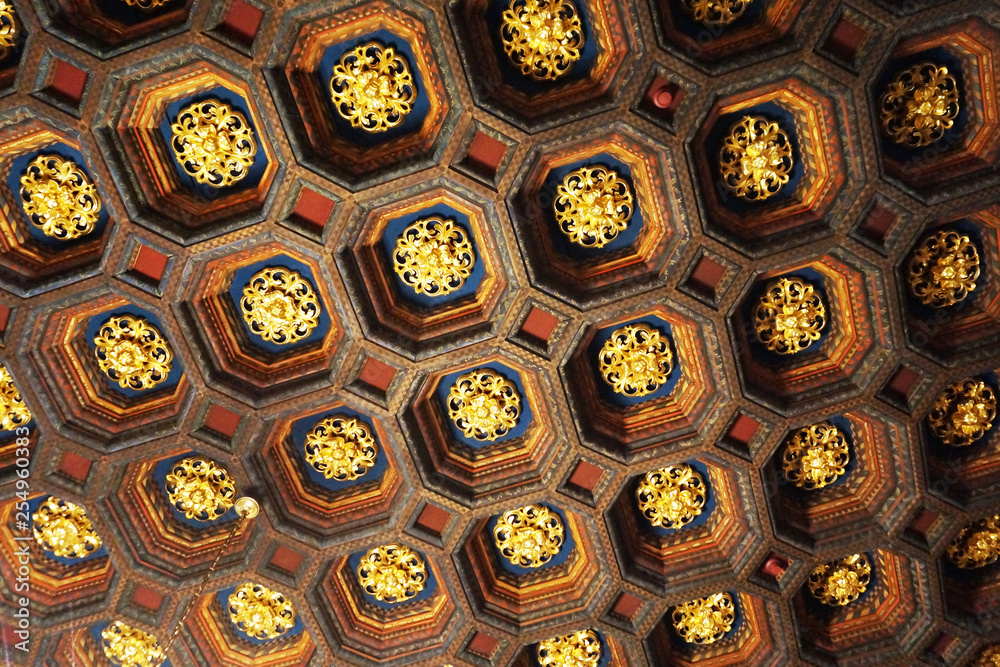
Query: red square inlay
x=242 y=21
x=147 y=598
x=486 y=153
x=4 y=317
x=539 y=324
x=286 y=560
x=707 y=274
x=150 y=263
x=845 y=39
x=222 y=421
x=313 y=208
x=433 y=519
x=774 y=566
x=483 y=645
x=664 y=95
x=586 y=476
x=902 y=383
x=67 y=81
x=626 y=606
x=75 y=467
x=743 y=429
x=923 y=521
x=942 y=644
x=878 y=223
x=377 y=374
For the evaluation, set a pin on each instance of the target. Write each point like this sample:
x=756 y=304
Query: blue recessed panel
x=569 y=544
x=523 y=421
x=302 y=427
x=606 y=391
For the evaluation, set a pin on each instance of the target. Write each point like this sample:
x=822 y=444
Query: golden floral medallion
x=59 y=198
x=372 y=87
x=989 y=658
x=213 y=143
x=341 y=448
x=636 y=360
x=920 y=105
x=199 y=489
x=260 y=612
x=672 y=497
x=963 y=412
x=816 y=456
x=484 y=405
x=433 y=256
x=8 y=29
x=146 y=5
x=977 y=545
x=790 y=316
x=592 y=206
x=529 y=536
x=14 y=411
x=132 y=352
x=542 y=38
x=577 y=649
x=842 y=581
x=756 y=159
x=392 y=573
x=64 y=529
x=943 y=269
x=705 y=620
x=715 y=12
x=129 y=647
x=280 y=305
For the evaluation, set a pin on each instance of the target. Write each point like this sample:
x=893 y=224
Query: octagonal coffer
x=482 y=428
x=431 y=265
x=777 y=164
x=955 y=149
x=644 y=382
x=194 y=154
x=115 y=367
x=44 y=246
x=264 y=312
x=600 y=217
x=811 y=333
x=331 y=469
x=321 y=79
x=535 y=78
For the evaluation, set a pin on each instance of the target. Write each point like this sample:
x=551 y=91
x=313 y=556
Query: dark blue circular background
x=222 y=598
x=254 y=172
x=412 y=122
x=716 y=138
x=160 y=475
x=302 y=427
x=394 y=229
x=624 y=239
x=242 y=277
x=606 y=391
x=176 y=368
x=19 y=166
x=523 y=421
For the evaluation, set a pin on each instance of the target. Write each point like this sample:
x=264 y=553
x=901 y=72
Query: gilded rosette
x=529 y=536
x=976 y=545
x=943 y=269
x=433 y=256
x=213 y=143
x=64 y=529
x=129 y=647
x=920 y=105
x=484 y=405
x=705 y=620
x=132 y=352
x=593 y=205
x=542 y=38
x=372 y=87
x=755 y=159
x=672 y=497
x=715 y=12
x=577 y=649
x=842 y=581
x=8 y=28
x=816 y=456
x=790 y=316
x=199 y=489
x=59 y=198
x=341 y=448
x=260 y=612
x=636 y=360
x=392 y=573
x=280 y=306
x=963 y=412
x=14 y=411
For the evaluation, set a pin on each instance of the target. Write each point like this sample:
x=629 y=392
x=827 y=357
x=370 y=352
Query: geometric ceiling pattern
x=539 y=332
